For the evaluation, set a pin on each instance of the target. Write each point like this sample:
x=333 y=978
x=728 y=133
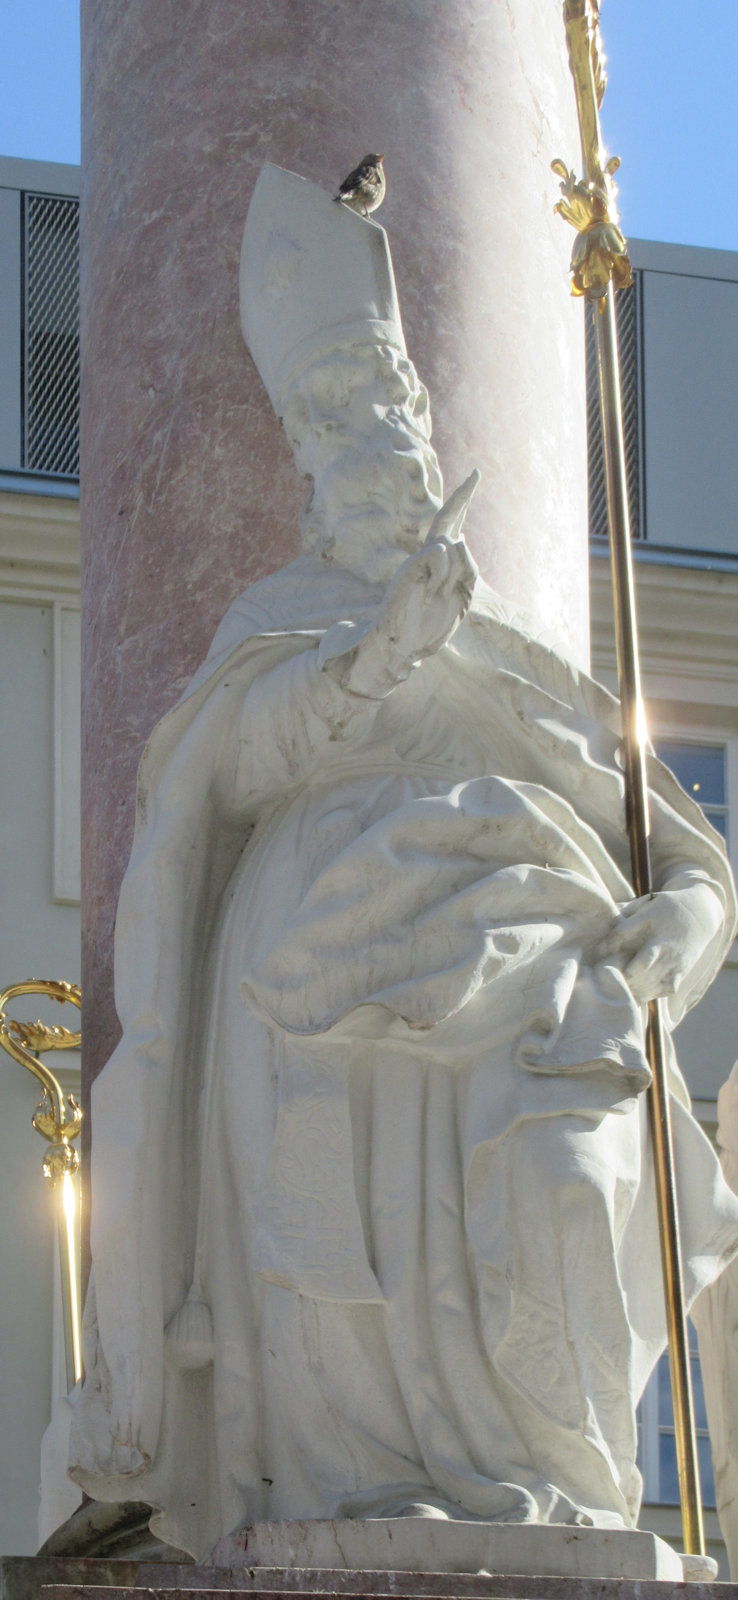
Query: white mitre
x=313 y=275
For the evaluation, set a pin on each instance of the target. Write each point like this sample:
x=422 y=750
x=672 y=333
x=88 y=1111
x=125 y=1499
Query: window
x=656 y=1444
x=701 y=770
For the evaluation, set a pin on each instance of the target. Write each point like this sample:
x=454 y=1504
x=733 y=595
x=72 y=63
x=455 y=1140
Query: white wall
x=39 y=937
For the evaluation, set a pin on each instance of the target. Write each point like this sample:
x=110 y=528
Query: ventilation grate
x=626 y=311
x=51 y=336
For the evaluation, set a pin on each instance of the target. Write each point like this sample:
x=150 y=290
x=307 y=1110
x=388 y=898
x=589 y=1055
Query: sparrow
x=363 y=190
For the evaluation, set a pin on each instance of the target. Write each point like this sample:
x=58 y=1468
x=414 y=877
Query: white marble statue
x=374 y=1230
x=716 y=1318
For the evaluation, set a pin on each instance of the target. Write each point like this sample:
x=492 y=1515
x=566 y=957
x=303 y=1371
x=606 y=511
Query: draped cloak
x=375 y=1126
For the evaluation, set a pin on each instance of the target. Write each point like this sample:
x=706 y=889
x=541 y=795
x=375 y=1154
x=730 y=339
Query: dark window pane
x=700 y=1410
x=666 y=1415
x=707 y=1481
x=699 y=768
x=668 y=1475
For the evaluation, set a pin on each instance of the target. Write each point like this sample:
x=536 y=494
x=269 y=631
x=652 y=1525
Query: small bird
x=364 y=188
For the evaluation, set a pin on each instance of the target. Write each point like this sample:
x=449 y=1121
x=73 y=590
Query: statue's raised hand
x=422 y=607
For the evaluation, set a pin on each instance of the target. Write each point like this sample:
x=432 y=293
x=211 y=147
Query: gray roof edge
x=41 y=177
x=689 y=260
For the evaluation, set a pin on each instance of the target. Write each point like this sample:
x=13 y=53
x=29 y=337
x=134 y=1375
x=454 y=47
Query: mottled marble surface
x=176 y=1583
x=189 y=492
x=419 y=1544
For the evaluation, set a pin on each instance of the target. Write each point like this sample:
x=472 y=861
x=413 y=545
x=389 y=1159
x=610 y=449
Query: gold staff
x=599 y=265
x=59 y=1123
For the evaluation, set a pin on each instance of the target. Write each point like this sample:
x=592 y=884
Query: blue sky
x=668 y=112
x=39 y=79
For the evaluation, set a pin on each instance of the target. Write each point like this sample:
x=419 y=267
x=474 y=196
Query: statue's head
x=358 y=420
x=320 y=316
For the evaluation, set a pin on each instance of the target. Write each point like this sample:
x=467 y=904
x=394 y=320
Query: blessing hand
x=662 y=936
x=422 y=607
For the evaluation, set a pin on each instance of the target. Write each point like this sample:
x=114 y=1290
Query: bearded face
x=359 y=423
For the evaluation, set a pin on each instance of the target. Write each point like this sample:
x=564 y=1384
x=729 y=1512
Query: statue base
x=428 y=1544
x=55 y=1578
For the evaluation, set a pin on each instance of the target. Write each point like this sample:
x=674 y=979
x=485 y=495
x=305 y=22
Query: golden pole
x=599 y=265
x=59 y=1123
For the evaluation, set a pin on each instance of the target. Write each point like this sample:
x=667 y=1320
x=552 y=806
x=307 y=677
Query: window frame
x=652 y=1425
x=712 y=737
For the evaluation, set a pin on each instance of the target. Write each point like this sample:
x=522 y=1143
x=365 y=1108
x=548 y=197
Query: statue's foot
x=403 y=1501
x=416 y=1508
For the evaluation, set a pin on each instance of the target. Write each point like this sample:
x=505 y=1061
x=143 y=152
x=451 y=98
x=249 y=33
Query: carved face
x=359 y=423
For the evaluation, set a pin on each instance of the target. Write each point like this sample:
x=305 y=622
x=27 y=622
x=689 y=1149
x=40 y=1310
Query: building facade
x=39 y=772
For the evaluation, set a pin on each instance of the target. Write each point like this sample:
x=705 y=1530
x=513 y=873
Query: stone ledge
x=208 y=1583
x=420 y=1543
x=39 y=547
x=72 y=1578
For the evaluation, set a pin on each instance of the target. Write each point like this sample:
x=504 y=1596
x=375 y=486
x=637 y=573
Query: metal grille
x=51 y=336
x=627 y=316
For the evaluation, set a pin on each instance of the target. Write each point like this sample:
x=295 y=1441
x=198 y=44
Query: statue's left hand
x=661 y=937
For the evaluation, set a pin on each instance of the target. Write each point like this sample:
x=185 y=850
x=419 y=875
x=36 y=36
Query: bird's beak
x=380 y=159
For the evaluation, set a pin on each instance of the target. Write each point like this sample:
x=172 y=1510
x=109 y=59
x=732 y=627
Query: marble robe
x=373 y=1209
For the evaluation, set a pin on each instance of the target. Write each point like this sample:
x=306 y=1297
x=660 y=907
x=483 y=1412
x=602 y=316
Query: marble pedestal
x=429 y=1545
x=410 y=1558
x=38 y=1578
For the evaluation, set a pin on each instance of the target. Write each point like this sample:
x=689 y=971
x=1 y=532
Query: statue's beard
x=368 y=511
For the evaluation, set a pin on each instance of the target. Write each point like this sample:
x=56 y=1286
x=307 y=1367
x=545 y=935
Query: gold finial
x=600 y=253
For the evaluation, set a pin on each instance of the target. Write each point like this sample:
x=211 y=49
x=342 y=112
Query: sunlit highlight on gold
x=58 y=1119
x=70 y=1213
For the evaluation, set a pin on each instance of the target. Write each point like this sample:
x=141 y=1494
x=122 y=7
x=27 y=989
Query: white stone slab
x=430 y=1544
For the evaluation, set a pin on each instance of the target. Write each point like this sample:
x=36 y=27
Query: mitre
x=313 y=276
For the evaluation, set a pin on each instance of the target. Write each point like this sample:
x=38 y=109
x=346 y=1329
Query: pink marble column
x=189 y=492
